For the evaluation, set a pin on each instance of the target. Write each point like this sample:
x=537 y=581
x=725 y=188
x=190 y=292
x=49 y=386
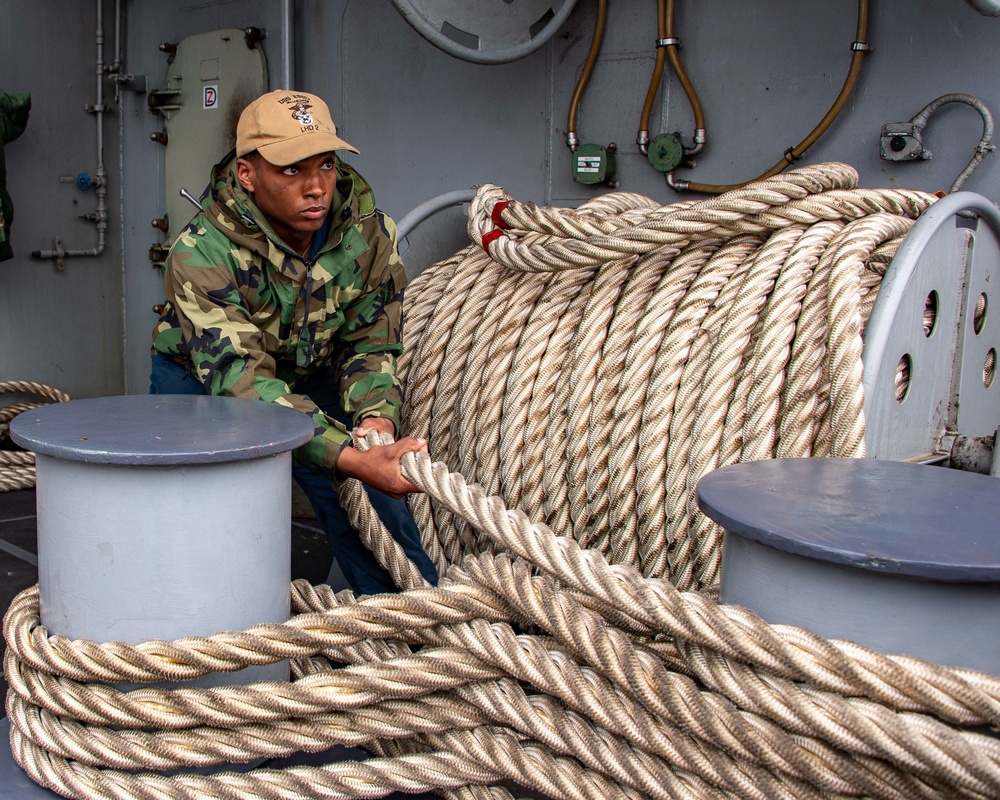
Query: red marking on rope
x=490 y=237
x=497 y=211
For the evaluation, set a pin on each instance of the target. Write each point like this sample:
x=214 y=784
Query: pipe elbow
x=699 y=143
x=642 y=139
x=676 y=185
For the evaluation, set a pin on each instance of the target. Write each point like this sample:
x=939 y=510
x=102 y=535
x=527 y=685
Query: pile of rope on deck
x=17 y=466
x=584 y=367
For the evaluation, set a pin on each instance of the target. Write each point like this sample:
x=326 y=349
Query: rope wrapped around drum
x=17 y=467
x=583 y=367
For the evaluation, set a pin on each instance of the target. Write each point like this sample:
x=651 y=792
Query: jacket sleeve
x=14 y=110
x=371 y=336
x=13 y=119
x=226 y=348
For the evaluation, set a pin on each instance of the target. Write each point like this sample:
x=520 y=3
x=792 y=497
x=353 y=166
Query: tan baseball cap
x=286 y=127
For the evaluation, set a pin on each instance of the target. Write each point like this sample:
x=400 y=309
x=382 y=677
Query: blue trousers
x=360 y=568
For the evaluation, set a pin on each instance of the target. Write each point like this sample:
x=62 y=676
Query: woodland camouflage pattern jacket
x=248 y=317
x=14 y=110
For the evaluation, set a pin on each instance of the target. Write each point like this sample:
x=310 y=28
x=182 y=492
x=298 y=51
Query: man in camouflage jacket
x=287 y=288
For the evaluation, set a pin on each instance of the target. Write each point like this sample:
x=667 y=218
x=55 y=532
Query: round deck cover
x=161 y=429
x=883 y=516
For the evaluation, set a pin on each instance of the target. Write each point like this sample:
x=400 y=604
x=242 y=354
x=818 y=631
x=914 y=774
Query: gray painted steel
x=926 y=313
x=164 y=516
x=160 y=430
x=900 y=557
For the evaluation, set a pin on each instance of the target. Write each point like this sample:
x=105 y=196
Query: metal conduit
x=100 y=181
x=431 y=207
x=859 y=47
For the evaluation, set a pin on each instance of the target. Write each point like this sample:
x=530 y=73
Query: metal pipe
x=102 y=175
x=676 y=185
x=116 y=65
x=923 y=116
x=430 y=207
x=100 y=216
x=287 y=38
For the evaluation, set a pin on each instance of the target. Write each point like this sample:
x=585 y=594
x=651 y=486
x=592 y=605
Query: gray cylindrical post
x=164 y=516
x=900 y=557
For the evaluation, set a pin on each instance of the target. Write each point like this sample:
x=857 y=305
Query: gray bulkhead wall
x=63 y=328
x=427 y=123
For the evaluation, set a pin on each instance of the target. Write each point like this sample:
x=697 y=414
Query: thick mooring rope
x=17 y=467
x=596 y=362
x=585 y=367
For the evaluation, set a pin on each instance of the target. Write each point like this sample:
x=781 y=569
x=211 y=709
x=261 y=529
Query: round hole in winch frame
x=990 y=367
x=901 y=385
x=930 y=314
x=979 y=314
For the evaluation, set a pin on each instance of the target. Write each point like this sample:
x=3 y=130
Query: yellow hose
x=795 y=153
x=665 y=30
x=654 y=81
x=588 y=68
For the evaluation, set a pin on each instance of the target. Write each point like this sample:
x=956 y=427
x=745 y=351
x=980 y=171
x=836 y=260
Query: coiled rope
x=17 y=467
x=553 y=654
x=596 y=362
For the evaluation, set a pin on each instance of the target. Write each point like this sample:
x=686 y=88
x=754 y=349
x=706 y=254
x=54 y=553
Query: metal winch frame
x=931 y=344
